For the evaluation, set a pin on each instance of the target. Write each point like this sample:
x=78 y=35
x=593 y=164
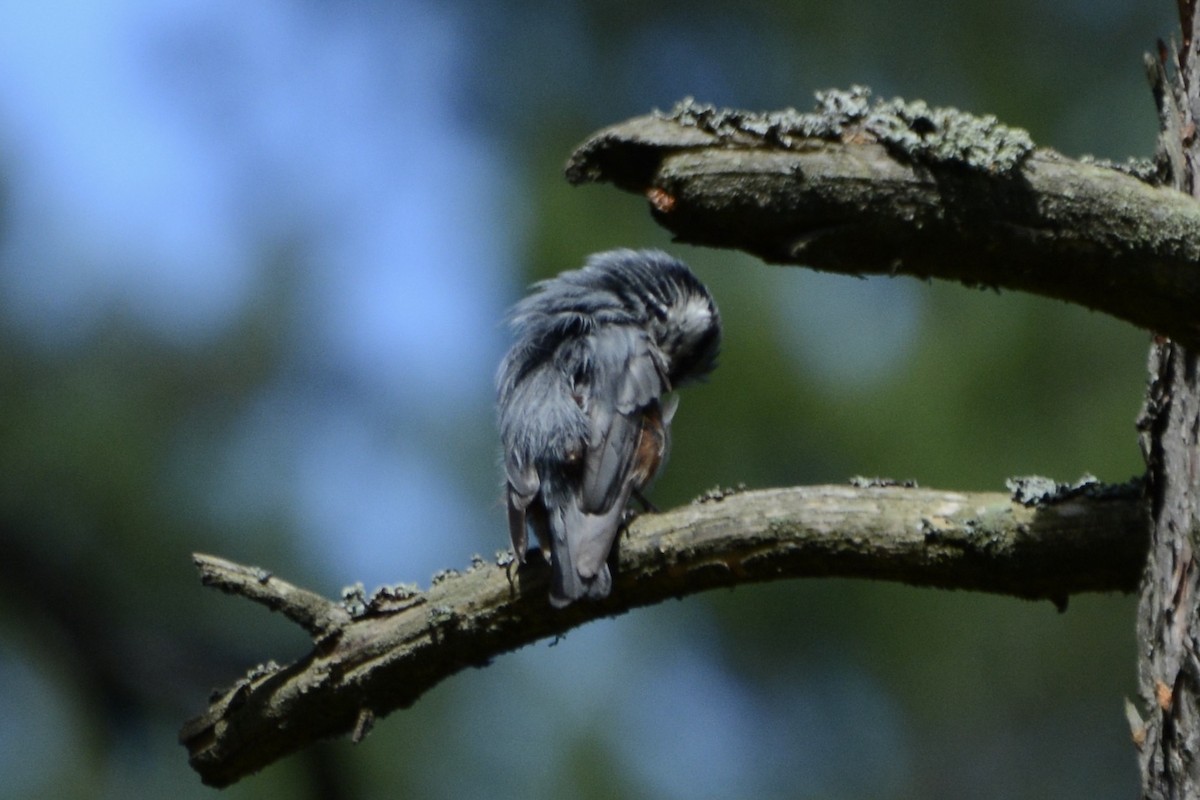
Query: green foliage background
x=108 y=448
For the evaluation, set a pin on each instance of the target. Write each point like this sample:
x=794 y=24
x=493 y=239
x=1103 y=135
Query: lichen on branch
x=909 y=129
x=374 y=654
x=900 y=188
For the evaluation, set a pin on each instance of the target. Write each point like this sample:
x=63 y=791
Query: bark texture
x=374 y=655
x=899 y=188
x=1169 y=611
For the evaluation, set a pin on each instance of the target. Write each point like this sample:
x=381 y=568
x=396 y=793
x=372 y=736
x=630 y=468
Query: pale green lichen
x=354 y=599
x=441 y=615
x=909 y=129
x=394 y=598
x=1033 y=490
x=718 y=493
x=865 y=482
x=395 y=592
x=1144 y=169
x=947 y=134
x=443 y=575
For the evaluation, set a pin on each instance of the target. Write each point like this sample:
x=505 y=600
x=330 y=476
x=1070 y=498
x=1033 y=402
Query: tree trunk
x=1169 y=611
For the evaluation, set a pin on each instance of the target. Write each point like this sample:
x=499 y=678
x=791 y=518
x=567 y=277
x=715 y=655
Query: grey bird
x=580 y=398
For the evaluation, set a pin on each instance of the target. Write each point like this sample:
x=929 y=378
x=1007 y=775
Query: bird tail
x=579 y=548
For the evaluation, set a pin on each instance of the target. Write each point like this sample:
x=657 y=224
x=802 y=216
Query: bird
x=580 y=403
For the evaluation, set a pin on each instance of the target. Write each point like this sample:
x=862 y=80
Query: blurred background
x=253 y=261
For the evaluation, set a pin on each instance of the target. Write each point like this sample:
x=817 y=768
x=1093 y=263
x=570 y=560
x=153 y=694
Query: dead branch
x=899 y=188
x=374 y=655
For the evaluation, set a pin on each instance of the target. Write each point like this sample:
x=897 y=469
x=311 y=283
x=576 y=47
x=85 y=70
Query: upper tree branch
x=899 y=188
x=381 y=654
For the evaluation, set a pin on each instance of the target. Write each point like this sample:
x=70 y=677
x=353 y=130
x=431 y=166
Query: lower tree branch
x=375 y=655
x=899 y=188
x=309 y=610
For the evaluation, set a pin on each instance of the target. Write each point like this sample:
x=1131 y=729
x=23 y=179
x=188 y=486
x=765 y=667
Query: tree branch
x=900 y=188
x=1044 y=541
x=307 y=609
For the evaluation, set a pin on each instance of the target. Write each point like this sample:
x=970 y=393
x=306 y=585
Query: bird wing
x=597 y=416
x=557 y=430
x=627 y=379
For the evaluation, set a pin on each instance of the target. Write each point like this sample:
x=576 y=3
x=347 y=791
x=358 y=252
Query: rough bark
x=902 y=189
x=1169 y=611
x=375 y=655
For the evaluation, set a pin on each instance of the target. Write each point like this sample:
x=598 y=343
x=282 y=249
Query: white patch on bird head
x=693 y=317
x=690 y=336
